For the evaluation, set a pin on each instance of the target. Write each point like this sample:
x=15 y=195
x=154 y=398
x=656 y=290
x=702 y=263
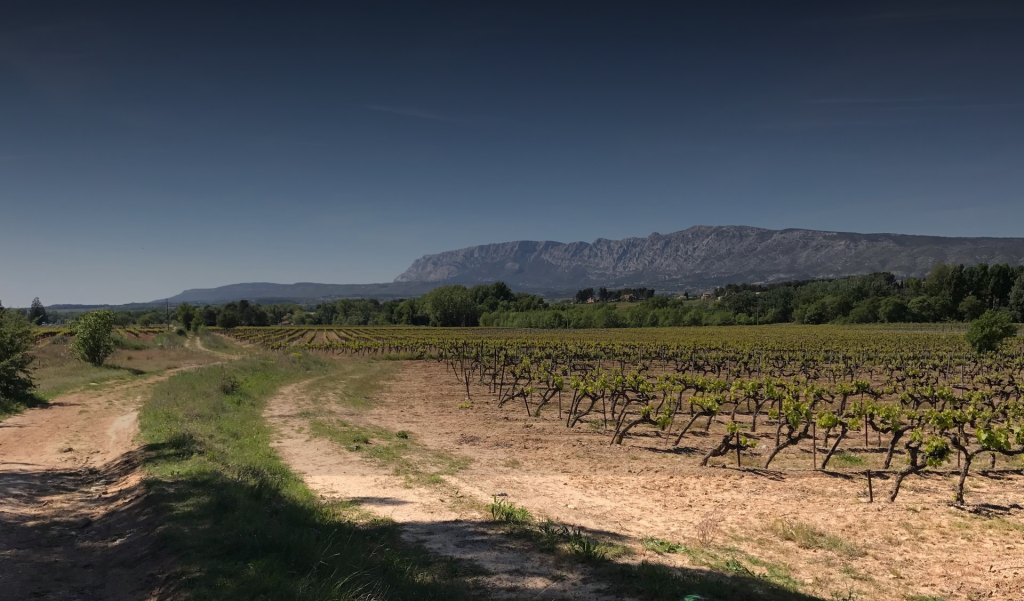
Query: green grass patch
x=216 y=343
x=730 y=560
x=661 y=546
x=241 y=524
x=845 y=459
x=418 y=464
x=808 y=537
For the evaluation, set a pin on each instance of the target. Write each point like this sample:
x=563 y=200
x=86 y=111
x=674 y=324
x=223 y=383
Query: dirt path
x=199 y=346
x=443 y=519
x=72 y=521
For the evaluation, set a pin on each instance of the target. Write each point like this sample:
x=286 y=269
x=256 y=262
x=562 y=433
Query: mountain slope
x=301 y=292
x=706 y=255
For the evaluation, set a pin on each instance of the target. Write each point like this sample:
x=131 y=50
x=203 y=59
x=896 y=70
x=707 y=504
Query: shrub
x=94 y=338
x=988 y=331
x=15 y=342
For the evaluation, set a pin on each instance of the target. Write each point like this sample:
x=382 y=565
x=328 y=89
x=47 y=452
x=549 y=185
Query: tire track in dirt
x=432 y=517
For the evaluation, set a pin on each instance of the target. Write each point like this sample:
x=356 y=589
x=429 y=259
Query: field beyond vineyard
x=735 y=450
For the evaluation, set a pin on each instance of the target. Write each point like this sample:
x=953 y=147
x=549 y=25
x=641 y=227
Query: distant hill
x=265 y=292
x=704 y=256
x=695 y=258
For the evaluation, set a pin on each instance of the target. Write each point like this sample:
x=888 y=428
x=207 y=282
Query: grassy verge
x=57 y=372
x=242 y=525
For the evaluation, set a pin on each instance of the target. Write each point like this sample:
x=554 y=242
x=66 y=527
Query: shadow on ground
x=102 y=534
x=78 y=534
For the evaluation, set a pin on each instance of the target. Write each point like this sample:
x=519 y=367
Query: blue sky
x=147 y=149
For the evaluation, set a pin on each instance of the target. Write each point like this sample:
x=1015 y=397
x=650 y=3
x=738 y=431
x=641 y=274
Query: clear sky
x=150 y=147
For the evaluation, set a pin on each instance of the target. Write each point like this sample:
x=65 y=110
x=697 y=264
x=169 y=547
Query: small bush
x=94 y=338
x=585 y=547
x=229 y=384
x=988 y=331
x=16 y=340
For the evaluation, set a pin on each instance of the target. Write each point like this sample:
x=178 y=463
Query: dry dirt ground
x=919 y=548
x=435 y=516
x=72 y=522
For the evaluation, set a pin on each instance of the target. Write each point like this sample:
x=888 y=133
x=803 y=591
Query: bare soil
x=920 y=545
x=73 y=521
x=435 y=517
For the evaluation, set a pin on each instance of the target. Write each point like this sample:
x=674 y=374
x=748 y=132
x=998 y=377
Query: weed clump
x=505 y=511
x=808 y=537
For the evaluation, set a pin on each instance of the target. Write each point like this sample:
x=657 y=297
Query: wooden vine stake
x=871 y=492
x=814 y=445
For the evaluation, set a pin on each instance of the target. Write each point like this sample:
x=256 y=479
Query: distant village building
x=706 y=296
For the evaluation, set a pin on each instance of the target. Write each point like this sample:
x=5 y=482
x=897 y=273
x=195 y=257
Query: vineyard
x=892 y=401
x=44 y=333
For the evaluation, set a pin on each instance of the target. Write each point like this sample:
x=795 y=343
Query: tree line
x=947 y=293
x=446 y=306
x=604 y=295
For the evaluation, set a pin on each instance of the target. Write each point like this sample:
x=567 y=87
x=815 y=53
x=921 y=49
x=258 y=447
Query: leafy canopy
x=94 y=336
x=16 y=340
x=988 y=331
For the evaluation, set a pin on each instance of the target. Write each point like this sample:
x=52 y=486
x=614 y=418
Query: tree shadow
x=132 y=370
x=97 y=543
x=13 y=405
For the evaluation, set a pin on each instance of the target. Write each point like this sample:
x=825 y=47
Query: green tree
x=148 y=319
x=893 y=309
x=16 y=341
x=988 y=331
x=1016 y=302
x=37 y=312
x=186 y=315
x=229 y=316
x=971 y=308
x=450 y=306
x=94 y=336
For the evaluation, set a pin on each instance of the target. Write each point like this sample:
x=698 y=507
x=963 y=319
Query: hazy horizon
x=152 y=149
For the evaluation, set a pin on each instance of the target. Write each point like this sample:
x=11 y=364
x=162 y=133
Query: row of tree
x=447 y=306
x=948 y=293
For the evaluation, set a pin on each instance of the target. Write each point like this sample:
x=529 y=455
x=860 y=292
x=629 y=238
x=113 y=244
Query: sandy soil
x=435 y=517
x=72 y=521
x=918 y=546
